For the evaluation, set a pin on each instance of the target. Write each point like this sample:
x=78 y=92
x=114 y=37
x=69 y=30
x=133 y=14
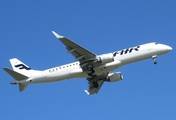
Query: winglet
x=86 y=92
x=57 y=35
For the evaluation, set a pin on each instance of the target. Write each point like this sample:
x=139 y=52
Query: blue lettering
x=128 y=50
x=114 y=54
x=121 y=53
x=136 y=48
x=131 y=50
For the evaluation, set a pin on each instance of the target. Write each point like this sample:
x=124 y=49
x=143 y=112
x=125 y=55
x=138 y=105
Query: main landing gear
x=154 y=59
x=90 y=71
x=94 y=80
x=95 y=83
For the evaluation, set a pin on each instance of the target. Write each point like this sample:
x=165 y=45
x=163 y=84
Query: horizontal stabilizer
x=15 y=75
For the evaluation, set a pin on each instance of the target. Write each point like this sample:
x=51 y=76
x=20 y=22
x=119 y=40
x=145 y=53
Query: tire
x=154 y=61
x=90 y=70
x=89 y=67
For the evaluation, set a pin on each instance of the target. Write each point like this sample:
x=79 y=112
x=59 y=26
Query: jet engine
x=114 y=77
x=106 y=58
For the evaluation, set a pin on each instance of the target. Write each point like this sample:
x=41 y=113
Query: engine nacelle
x=106 y=58
x=114 y=77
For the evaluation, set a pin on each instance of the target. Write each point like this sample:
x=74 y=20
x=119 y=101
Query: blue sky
x=147 y=91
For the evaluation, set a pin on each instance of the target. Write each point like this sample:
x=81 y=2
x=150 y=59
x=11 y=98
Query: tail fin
x=19 y=66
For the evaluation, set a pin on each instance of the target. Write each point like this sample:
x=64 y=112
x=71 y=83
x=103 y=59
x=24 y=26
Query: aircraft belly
x=78 y=73
x=105 y=68
x=53 y=77
x=61 y=76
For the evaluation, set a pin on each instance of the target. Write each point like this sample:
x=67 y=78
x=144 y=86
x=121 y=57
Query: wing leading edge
x=79 y=52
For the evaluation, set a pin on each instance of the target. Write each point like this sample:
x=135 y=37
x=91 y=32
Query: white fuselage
x=73 y=70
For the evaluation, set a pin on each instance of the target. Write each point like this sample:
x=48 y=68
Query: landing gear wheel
x=155 y=62
x=89 y=69
x=154 y=59
x=90 y=73
x=95 y=84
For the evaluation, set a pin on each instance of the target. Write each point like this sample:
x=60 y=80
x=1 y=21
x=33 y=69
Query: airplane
x=96 y=68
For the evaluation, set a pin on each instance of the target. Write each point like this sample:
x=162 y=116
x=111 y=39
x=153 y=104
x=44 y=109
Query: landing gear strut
x=89 y=69
x=95 y=83
x=154 y=59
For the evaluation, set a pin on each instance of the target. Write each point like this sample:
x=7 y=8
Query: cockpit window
x=156 y=43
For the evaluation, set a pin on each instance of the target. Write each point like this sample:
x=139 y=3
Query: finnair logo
x=129 y=50
x=21 y=66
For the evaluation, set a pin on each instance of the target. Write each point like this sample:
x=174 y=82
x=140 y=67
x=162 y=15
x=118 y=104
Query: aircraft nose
x=168 y=48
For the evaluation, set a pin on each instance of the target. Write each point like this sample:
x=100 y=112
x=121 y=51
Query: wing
x=84 y=56
x=100 y=81
x=80 y=53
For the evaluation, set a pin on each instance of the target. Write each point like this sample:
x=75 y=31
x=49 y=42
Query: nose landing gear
x=154 y=59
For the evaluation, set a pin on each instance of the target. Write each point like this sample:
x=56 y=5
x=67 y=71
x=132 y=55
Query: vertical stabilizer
x=19 y=66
